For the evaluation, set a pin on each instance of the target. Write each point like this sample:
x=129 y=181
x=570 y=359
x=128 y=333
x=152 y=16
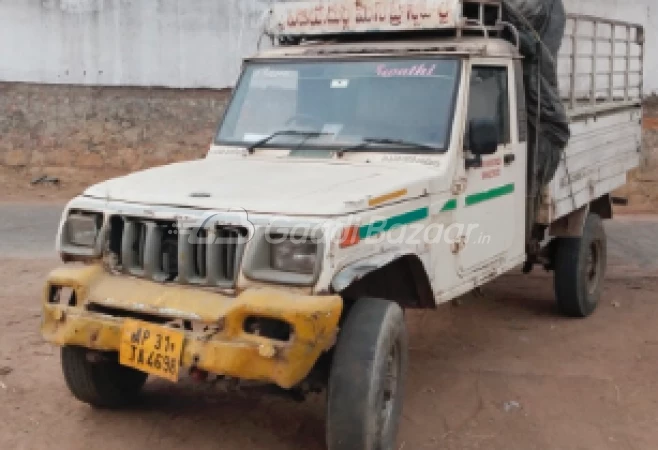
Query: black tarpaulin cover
x=541 y=24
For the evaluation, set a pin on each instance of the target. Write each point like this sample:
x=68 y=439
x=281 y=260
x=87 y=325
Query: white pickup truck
x=375 y=159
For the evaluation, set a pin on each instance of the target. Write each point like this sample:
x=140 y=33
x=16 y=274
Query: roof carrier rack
x=292 y=22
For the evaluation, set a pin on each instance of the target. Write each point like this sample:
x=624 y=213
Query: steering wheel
x=304 y=119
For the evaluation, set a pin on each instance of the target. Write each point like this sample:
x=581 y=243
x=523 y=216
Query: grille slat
x=184 y=271
x=200 y=253
x=141 y=245
x=130 y=247
x=150 y=249
x=212 y=258
x=230 y=256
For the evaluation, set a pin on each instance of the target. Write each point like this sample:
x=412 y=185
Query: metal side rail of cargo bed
x=600 y=65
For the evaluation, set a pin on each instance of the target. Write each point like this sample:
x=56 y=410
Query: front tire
x=103 y=384
x=366 y=382
x=580 y=265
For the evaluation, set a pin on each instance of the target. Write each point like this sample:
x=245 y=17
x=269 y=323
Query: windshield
x=336 y=104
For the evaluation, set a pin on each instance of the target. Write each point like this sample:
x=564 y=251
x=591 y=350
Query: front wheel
x=580 y=265
x=102 y=384
x=366 y=382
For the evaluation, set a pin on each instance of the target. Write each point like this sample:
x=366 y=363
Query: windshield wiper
x=306 y=134
x=367 y=142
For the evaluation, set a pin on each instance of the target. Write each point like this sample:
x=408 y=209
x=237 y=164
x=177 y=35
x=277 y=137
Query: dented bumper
x=93 y=317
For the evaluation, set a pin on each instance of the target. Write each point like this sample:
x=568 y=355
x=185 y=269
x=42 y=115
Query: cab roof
x=456 y=46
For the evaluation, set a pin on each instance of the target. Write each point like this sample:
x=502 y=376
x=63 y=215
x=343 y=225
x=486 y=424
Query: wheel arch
x=400 y=278
x=573 y=223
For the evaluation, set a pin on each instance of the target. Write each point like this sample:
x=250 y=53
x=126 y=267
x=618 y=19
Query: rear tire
x=366 y=381
x=580 y=265
x=104 y=384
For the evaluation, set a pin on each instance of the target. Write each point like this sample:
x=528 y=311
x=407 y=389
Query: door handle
x=509 y=158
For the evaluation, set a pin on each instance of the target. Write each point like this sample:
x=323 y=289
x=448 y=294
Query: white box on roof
x=314 y=18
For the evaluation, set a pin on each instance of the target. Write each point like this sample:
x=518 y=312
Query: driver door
x=489 y=208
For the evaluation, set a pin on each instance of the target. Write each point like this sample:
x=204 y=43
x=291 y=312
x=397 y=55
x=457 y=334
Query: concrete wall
x=174 y=43
x=178 y=43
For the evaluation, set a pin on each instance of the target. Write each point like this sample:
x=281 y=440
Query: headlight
x=82 y=229
x=292 y=256
x=284 y=257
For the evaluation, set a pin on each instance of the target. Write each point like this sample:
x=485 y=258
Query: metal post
x=574 y=59
x=613 y=43
x=595 y=37
x=627 y=75
x=641 y=65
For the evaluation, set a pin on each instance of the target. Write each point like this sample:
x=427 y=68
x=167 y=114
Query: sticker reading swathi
x=340 y=84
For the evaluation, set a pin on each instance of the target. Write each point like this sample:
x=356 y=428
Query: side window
x=489 y=98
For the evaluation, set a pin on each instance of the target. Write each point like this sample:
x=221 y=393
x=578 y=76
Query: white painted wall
x=174 y=43
x=179 y=43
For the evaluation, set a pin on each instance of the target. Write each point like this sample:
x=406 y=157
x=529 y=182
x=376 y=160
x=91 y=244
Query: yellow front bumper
x=225 y=348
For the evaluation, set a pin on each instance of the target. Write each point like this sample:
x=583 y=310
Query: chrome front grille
x=163 y=251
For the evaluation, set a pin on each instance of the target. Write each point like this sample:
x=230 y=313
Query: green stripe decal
x=382 y=226
x=480 y=197
x=450 y=205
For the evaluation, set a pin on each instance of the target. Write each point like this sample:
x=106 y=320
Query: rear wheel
x=580 y=265
x=103 y=384
x=366 y=382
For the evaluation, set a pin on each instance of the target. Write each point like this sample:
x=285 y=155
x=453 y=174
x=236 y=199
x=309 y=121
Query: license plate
x=151 y=348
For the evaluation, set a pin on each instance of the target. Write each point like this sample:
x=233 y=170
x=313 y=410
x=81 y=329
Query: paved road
x=28 y=231
x=633 y=241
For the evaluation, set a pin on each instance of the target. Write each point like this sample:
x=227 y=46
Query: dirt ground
x=501 y=371
x=16 y=183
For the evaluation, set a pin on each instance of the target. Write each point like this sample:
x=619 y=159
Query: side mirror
x=483 y=139
x=483 y=136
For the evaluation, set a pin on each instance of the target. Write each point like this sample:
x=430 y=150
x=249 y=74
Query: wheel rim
x=593 y=266
x=389 y=390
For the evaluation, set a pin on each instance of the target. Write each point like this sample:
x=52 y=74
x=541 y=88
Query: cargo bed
x=600 y=75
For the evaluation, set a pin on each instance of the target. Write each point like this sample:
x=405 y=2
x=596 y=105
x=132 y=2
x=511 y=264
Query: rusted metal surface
x=570 y=225
x=650 y=123
x=223 y=348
